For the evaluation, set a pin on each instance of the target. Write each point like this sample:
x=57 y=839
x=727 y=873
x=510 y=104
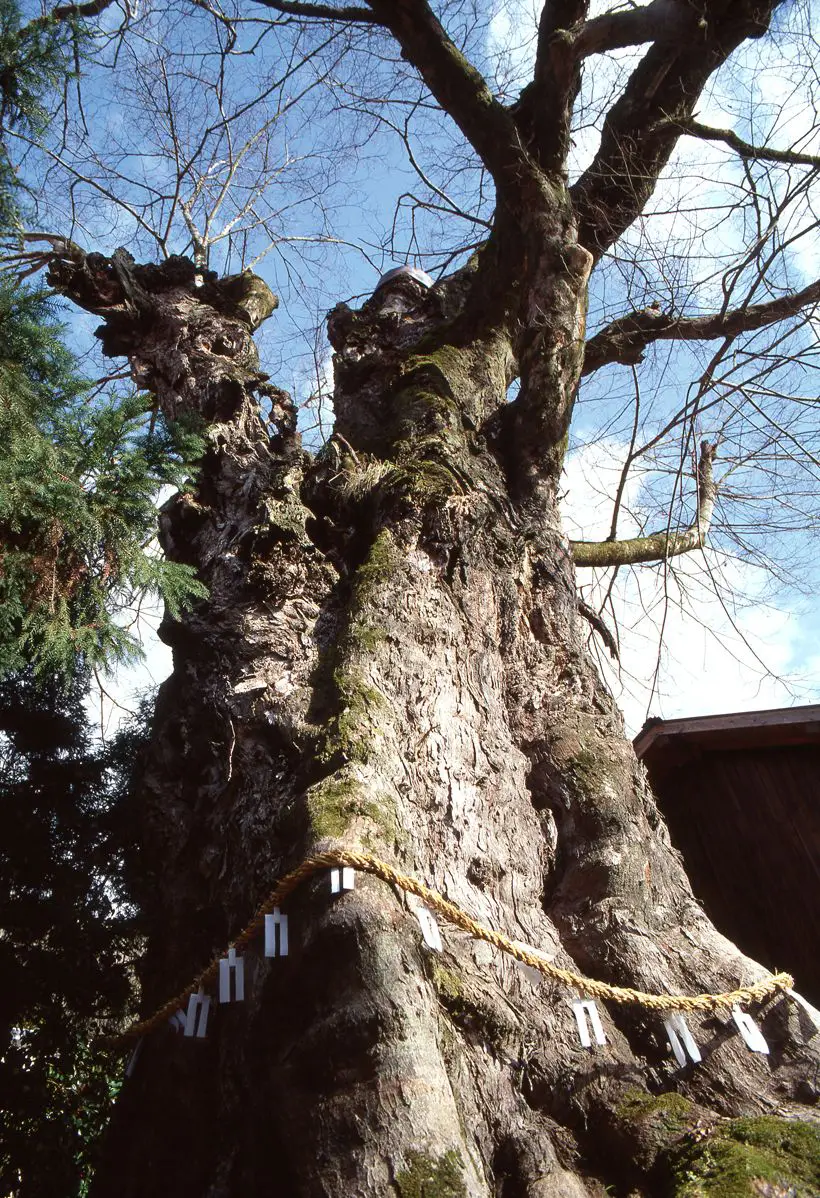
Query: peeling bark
x=392 y=657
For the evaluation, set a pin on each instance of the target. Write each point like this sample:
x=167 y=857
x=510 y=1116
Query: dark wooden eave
x=665 y=744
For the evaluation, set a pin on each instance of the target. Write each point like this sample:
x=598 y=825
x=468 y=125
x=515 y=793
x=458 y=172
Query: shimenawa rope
x=369 y=864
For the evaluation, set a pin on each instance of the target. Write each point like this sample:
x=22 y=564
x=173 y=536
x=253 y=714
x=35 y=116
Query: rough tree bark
x=392 y=657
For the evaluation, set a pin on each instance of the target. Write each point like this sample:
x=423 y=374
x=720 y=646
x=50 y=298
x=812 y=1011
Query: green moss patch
x=363 y=635
x=448 y=984
x=673 y=1111
x=351 y=732
x=376 y=569
x=588 y=771
x=335 y=802
x=650 y=1126
x=743 y=1151
x=430 y=1177
x=427 y=402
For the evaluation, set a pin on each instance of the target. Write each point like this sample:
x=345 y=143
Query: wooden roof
x=666 y=743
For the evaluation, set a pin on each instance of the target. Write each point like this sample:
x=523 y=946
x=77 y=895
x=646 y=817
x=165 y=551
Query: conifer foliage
x=35 y=58
x=79 y=470
x=79 y=475
x=68 y=935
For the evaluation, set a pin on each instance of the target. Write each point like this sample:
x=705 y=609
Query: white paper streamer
x=533 y=976
x=681 y=1040
x=812 y=1012
x=750 y=1032
x=582 y=1009
x=276 y=934
x=196 y=1023
x=342 y=879
x=227 y=966
x=178 y=1021
x=429 y=928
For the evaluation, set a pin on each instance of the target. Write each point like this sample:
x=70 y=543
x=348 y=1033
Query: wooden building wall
x=748 y=824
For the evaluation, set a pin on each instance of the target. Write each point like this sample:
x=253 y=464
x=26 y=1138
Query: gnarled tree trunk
x=391 y=657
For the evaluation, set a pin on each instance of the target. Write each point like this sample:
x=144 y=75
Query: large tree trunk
x=391 y=657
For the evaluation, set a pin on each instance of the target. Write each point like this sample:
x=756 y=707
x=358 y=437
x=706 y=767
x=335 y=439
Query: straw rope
x=369 y=864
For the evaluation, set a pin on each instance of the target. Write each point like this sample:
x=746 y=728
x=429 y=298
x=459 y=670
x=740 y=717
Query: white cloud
x=590 y=480
x=512 y=32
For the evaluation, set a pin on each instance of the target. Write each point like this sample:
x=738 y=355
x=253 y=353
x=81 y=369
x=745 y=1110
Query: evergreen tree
x=78 y=474
x=34 y=59
x=68 y=934
x=78 y=484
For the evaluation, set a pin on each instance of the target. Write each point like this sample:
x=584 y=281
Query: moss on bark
x=743 y=1156
x=432 y=1177
x=353 y=730
x=469 y=1009
x=672 y=1111
x=376 y=569
x=348 y=735
x=335 y=802
x=730 y=1158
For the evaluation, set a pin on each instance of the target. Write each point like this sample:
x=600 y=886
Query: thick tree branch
x=322 y=12
x=658 y=546
x=643 y=126
x=565 y=38
x=745 y=148
x=625 y=340
x=660 y=21
x=544 y=113
x=459 y=88
x=66 y=12
x=562 y=23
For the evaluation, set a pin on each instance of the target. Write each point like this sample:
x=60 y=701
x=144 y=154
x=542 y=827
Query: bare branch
x=658 y=546
x=21 y=263
x=322 y=12
x=745 y=148
x=460 y=89
x=625 y=340
x=595 y=621
x=643 y=126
